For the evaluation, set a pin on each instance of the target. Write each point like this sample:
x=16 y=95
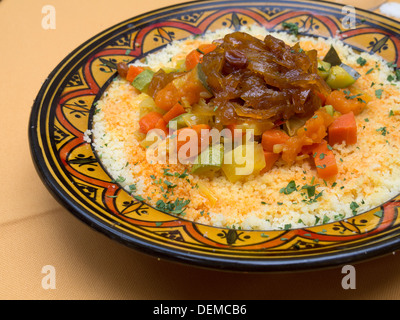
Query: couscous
x=290 y=186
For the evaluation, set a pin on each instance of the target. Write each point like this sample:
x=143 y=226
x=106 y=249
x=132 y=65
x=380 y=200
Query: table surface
x=36 y=231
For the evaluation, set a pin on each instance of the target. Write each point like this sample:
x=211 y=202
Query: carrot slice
x=344 y=129
x=175 y=111
x=273 y=137
x=149 y=121
x=325 y=161
x=270 y=159
x=133 y=72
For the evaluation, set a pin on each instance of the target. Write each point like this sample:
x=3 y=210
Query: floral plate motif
x=71 y=170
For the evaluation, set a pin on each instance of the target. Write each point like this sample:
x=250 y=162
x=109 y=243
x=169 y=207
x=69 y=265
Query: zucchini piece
x=179 y=121
x=293 y=124
x=192 y=119
x=209 y=162
x=203 y=78
x=203 y=109
x=142 y=81
x=323 y=69
x=329 y=110
x=351 y=71
x=258 y=127
x=180 y=65
x=148 y=105
x=339 y=78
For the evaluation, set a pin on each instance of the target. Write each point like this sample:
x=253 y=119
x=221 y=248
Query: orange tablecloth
x=36 y=231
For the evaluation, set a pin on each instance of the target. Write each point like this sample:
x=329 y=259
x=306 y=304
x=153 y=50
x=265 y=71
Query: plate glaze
x=71 y=170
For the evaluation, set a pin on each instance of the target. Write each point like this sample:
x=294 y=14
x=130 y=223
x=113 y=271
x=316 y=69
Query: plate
x=73 y=173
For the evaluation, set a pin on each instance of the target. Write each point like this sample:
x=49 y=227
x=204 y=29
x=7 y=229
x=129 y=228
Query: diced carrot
x=193 y=59
x=346 y=102
x=344 y=128
x=167 y=97
x=133 y=72
x=149 y=121
x=187 y=87
x=162 y=125
x=325 y=161
x=198 y=129
x=308 y=149
x=207 y=48
x=322 y=97
x=272 y=137
x=175 y=111
x=270 y=159
x=314 y=131
x=196 y=56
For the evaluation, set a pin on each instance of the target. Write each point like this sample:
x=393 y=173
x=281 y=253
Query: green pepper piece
x=142 y=81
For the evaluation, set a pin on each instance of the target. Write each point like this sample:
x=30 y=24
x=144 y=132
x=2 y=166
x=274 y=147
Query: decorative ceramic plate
x=69 y=167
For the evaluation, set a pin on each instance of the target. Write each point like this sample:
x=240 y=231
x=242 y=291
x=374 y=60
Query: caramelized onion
x=260 y=80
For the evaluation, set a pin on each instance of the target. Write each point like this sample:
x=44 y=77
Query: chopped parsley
x=167 y=173
x=383 y=131
x=354 y=206
x=378 y=93
x=292 y=27
x=175 y=207
x=361 y=61
x=120 y=179
x=348 y=96
x=397 y=75
x=369 y=71
x=290 y=188
x=325 y=219
x=139 y=198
